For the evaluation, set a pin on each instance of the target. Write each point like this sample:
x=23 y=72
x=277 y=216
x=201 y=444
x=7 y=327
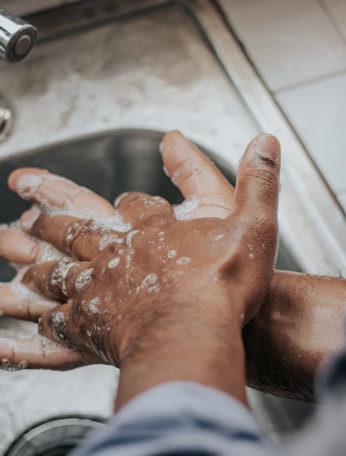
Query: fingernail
x=165 y=170
x=119 y=198
x=268 y=147
x=161 y=147
x=29 y=217
x=171 y=140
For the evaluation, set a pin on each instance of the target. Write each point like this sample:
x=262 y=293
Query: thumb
x=257 y=186
x=255 y=209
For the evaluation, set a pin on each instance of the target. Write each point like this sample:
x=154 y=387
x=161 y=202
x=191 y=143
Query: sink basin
x=91 y=102
x=111 y=163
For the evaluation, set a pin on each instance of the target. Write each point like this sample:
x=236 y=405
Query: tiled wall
x=299 y=49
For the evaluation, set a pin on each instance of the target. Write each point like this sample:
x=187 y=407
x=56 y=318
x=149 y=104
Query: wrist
x=185 y=345
x=216 y=362
x=299 y=326
x=176 y=311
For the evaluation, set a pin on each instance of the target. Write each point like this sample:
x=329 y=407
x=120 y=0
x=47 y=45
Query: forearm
x=300 y=326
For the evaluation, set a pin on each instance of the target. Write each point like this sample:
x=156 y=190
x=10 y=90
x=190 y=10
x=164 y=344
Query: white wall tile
x=318 y=113
x=342 y=199
x=290 y=41
x=336 y=10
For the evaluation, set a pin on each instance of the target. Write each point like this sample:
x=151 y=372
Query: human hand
x=85 y=243
x=196 y=177
x=189 y=168
x=22 y=250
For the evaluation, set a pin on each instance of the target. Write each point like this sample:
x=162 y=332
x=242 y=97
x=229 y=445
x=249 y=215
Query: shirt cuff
x=180 y=418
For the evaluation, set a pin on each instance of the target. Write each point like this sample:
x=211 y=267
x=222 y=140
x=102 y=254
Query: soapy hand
x=22 y=250
x=140 y=261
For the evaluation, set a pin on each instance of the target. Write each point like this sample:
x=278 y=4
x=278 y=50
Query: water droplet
x=114 y=262
x=109 y=239
x=183 y=260
x=183 y=211
x=83 y=279
x=94 y=305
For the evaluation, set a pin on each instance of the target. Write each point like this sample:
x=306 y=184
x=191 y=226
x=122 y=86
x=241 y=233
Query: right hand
x=215 y=200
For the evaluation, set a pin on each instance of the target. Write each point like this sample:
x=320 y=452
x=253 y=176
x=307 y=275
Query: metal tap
x=17 y=37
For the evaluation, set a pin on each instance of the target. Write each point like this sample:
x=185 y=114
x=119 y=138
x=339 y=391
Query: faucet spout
x=17 y=37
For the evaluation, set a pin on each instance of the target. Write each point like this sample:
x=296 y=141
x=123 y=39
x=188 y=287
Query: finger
x=257 y=186
x=49 y=190
x=41 y=353
x=58 y=279
x=74 y=236
x=58 y=325
x=70 y=235
x=17 y=301
x=138 y=207
x=196 y=177
x=255 y=203
x=55 y=325
x=18 y=248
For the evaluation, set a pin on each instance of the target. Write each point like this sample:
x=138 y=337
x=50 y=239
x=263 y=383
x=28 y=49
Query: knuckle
x=141 y=200
x=267 y=178
x=73 y=232
x=57 y=324
x=264 y=227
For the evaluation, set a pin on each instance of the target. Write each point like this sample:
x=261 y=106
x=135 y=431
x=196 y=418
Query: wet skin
x=176 y=262
x=150 y=286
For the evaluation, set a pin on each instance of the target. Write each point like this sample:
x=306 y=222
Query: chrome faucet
x=17 y=37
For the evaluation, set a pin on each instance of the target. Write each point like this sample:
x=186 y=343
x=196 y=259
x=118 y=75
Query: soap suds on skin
x=57 y=274
x=58 y=325
x=184 y=210
x=183 y=260
x=130 y=236
x=11 y=367
x=109 y=239
x=114 y=262
x=149 y=284
x=28 y=185
x=149 y=279
x=50 y=253
x=83 y=279
x=111 y=223
x=103 y=225
x=94 y=305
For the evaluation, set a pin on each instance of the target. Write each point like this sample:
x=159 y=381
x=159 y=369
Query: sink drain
x=6 y=118
x=56 y=437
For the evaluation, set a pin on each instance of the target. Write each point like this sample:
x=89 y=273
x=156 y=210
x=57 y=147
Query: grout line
x=311 y=81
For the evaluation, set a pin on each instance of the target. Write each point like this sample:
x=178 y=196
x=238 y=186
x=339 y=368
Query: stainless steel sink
x=91 y=102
